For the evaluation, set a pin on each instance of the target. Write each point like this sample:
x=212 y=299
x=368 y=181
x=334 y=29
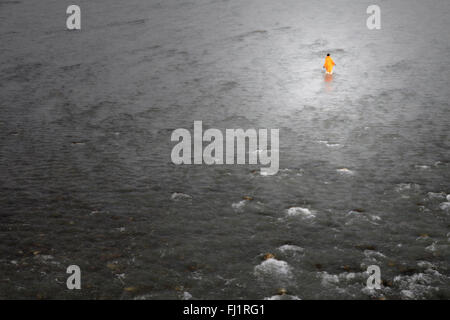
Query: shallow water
x=86 y=176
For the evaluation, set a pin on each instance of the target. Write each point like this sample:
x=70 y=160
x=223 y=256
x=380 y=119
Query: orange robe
x=329 y=64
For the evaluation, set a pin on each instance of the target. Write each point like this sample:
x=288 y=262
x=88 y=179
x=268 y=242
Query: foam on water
x=178 y=196
x=401 y=187
x=328 y=279
x=345 y=171
x=372 y=257
x=186 y=296
x=432 y=247
x=445 y=206
x=426 y=265
x=350 y=284
x=418 y=285
x=302 y=212
x=147 y=296
x=328 y=144
x=290 y=248
x=436 y=195
x=372 y=254
x=273 y=268
x=238 y=206
x=46 y=259
x=282 y=297
x=357 y=217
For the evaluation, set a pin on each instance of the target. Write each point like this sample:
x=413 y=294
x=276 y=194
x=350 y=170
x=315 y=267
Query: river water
x=86 y=176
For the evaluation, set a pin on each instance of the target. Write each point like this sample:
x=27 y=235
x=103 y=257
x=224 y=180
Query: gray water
x=86 y=176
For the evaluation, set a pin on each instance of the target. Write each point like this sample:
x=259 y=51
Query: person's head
x=328 y=54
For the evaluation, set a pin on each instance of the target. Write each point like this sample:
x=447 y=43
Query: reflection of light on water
x=303 y=90
x=328 y=82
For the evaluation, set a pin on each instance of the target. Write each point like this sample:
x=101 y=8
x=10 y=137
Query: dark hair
x=328 y=54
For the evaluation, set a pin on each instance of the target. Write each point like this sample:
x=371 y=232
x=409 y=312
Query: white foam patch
x=328 y=279
x=436 y=195
x=349 y=276
x=445 y=206
x=416 y=286
x=372 y=254
x=375 y=293
x=349 y=283
x=357 y=217
x=274 y=268
x=328 y=144
x=372 y=257
x=283 y=297
x=407 y=294
x=407 y=187
x=177 y=196
x=299 y=211
x=432 y=247
x=288 y=172
x=196 y=275
x=238 y=206
x=426 y=265
x=46 y=259
x=186 y=296
x=345 y=171
x=147 y=296
x=422 y=167
x=290 y=248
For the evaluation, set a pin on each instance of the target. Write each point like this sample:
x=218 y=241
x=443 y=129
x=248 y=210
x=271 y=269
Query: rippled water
x=86 y=176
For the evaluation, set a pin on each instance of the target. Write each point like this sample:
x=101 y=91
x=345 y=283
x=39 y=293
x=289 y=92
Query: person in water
x=329 y=64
